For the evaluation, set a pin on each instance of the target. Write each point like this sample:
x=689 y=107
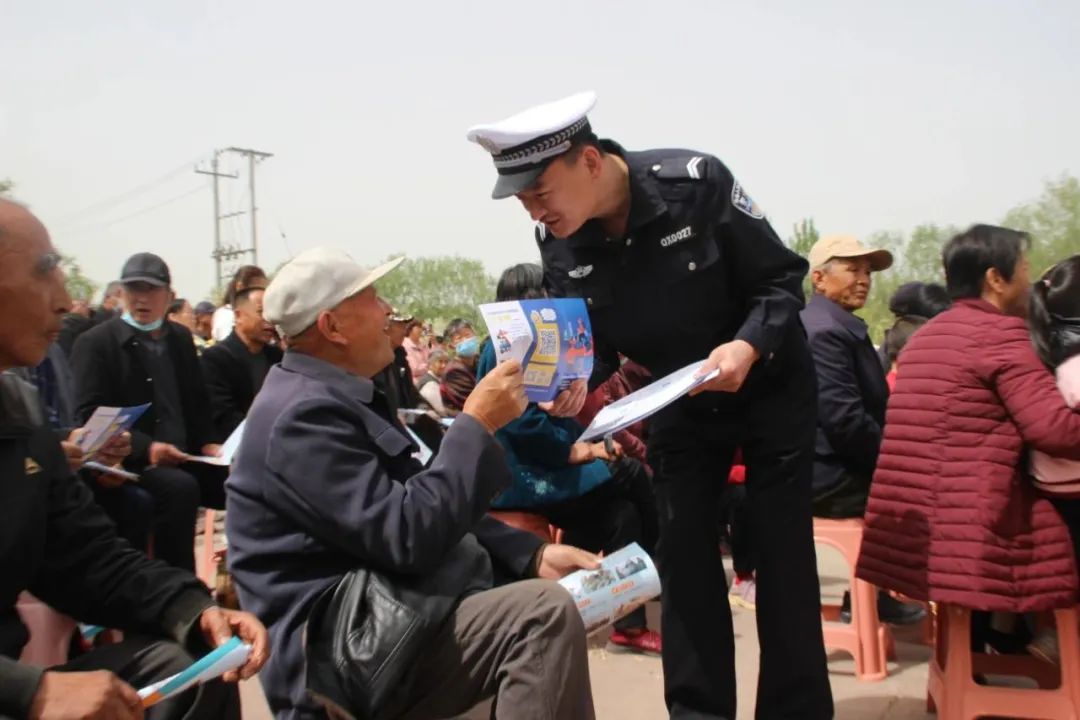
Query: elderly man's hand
x=558 y=561
x=116 y=450
x=98 y=695
x=72 y=451
x=218 y=626
x=499 y=397
x=733 y=360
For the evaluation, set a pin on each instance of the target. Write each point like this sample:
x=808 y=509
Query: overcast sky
x=863 y=115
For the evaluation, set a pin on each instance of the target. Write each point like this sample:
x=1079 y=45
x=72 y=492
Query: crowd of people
x=377 y=581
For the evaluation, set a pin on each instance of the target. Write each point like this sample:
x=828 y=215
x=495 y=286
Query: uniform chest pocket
x=591 y=281
x=683 y=261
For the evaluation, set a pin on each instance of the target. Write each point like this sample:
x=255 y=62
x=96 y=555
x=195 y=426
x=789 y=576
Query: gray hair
x=438 y=355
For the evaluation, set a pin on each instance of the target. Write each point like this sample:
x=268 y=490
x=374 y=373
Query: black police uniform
x=699 y=266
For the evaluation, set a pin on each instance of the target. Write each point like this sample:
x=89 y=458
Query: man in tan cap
x=326 y=502
x=852 y=391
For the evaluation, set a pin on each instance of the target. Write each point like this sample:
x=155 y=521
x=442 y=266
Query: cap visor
x=880 y=260
x=143 y=279
x=510 y=185
x=375 y=275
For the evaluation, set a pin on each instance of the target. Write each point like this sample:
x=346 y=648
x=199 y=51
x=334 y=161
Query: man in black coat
x=56 y=543
x=325 y=484
x=235 y=368
x=75 y=324
x=141 y=358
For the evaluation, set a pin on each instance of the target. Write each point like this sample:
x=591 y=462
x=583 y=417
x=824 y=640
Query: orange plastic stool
x=50 y=632
x=529 y=522
x=952 y=691
x=865 y=638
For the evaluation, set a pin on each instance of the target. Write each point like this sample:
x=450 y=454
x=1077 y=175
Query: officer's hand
x=558 y=561
x=166 y=454
x=569 y=402
x=733 y=360
x=499 y=397
x=97 y=695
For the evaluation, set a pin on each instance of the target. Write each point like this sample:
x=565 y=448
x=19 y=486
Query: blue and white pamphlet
x=229 y=656
x=105 y=424
x=625 y=580
x=551 y=338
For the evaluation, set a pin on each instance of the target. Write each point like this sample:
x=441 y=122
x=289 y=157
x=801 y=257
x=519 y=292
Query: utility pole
x=213 y=172
x=221 y=252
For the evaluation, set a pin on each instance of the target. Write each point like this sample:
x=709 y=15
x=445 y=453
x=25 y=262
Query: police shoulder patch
x=689 y=167
x=744 y=204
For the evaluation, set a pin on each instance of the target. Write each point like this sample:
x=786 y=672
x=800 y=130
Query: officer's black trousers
x=690 y=449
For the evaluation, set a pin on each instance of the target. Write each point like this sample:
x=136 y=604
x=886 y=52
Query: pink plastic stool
x=50 y=632
x=865 y=638
x=952 y=691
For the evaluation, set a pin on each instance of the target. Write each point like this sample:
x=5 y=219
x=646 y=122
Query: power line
x=137 y=213
x=110 y=202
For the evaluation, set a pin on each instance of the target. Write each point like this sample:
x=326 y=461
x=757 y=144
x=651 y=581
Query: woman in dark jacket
x=601 y=502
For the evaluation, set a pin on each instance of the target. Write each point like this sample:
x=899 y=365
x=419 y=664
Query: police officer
x=676 y=263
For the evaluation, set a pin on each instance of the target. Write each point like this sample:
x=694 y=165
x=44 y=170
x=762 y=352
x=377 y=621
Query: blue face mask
x=148 y=327
x=468 y=347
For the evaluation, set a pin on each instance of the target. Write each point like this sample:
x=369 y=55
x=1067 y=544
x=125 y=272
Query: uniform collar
x=645 y=202
x=852 y=322
x=363 y=389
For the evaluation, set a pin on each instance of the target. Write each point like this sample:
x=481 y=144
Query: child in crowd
x=1054 y=319
x=601 y=502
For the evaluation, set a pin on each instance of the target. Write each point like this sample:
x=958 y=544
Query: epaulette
x=688 y=167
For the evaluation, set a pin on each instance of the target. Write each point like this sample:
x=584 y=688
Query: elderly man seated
x=852 y=391
x=379 y=579
x=951 y=517
x=56 y=543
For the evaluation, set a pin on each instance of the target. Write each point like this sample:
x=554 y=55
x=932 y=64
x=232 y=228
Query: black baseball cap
x=204 y=308
x=147 y=268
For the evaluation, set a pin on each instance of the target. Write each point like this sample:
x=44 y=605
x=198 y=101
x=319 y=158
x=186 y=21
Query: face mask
x=468 y=347
x=148 y=327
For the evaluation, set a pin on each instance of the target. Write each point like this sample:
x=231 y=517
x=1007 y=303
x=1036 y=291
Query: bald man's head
x=32 y=289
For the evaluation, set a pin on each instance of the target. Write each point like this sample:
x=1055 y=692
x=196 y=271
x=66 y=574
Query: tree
x=439 y=288
x=6 y=187
x=79 y=286
x=1053 y=221
x=806 y=234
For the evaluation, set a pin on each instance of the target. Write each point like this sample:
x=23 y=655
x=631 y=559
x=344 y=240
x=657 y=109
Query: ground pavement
x=630 y=687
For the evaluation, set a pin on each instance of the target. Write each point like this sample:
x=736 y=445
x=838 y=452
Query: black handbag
x=364 y=634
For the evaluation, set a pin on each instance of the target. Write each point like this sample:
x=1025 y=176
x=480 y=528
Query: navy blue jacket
x=852 y=393
x=324 y=482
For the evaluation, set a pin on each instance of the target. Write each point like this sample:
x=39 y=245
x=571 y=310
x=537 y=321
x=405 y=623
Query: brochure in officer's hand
x=646 y=401
x=551 y=338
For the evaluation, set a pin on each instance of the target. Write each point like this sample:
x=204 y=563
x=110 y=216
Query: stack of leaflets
x=641 y=404
x=626 y=580
x=551 y=338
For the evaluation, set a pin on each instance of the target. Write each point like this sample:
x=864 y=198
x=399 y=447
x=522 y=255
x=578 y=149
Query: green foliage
x=6 y=186
x=1053 y=221
x=439 y=289
x=806 y=234
x=79 y=286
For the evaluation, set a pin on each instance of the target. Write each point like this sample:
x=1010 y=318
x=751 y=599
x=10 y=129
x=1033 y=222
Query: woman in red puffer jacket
x=951 y=517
